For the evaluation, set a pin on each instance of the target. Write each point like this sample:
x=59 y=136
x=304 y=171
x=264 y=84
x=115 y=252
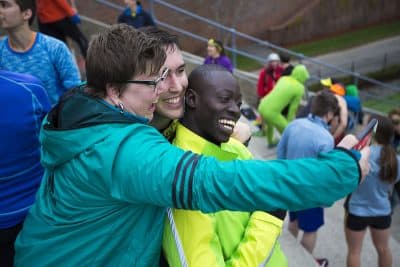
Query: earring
x=121 y=107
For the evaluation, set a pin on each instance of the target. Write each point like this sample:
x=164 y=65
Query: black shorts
x=359 y=223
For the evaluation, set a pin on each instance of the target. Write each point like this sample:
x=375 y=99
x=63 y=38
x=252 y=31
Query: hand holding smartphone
x=365 y=136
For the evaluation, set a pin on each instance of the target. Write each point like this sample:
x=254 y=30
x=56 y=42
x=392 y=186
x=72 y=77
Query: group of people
x=328 y=115
x=367 y=207
x=139 y=161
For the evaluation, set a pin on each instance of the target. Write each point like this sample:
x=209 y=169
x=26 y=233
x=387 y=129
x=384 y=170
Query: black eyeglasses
x=154 y=82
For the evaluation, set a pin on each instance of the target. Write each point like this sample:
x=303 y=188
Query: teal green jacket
x=109 y=178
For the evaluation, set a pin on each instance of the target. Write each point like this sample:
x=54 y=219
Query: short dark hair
x=202 y=72
x=119 y=53
x=324 y=102
x=27 y=4
x=285 y=57
x=165 y=38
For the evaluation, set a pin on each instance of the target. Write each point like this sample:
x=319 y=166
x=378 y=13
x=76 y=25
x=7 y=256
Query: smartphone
x=365 y=136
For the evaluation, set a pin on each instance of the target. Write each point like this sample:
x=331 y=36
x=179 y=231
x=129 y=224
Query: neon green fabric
x=224 y=238
x=288 y=91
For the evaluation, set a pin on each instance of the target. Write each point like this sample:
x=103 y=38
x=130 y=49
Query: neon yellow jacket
x=224 y=238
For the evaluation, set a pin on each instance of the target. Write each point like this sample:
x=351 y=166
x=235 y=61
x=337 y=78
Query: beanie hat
x=338 y=89
x=326 y=82
x=273 y=57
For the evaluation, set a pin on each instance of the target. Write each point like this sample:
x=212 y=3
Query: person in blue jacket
x=135 y=16
x=109 y=176
x=23 y=105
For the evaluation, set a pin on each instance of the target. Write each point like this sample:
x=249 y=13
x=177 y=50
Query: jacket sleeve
x=279 y=184
x=147 y=169
x=68 y=72
x=258 y=242
x=282 y=145
x=226 y=62
x=65 y=6
x=260 y=84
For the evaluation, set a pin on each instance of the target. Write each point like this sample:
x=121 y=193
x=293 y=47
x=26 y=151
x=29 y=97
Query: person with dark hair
x=170 y=105
x=59 y=19
x=134 y=15
x=369 y=206
x=216 y=55
x=307 y=137
x=338 y=89
x=26 y=51
x=285 y=64
x=222 y=238
x=23 y=104
x=109 y=176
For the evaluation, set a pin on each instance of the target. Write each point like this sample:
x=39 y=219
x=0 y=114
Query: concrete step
x=331 y=242
x=296 y=255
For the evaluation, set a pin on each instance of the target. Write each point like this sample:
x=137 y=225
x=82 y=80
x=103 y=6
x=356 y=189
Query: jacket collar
x=188 y=140
x=77 y=110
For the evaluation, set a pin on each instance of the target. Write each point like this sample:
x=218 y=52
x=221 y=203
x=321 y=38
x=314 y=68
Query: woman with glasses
x=109 y=176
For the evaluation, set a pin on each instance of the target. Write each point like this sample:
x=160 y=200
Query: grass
x=337 y=43
x=245 y=63
x=384 y=104
x=348 y=40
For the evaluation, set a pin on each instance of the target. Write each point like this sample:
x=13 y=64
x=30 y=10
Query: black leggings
x=65 y=28
x=7 y=239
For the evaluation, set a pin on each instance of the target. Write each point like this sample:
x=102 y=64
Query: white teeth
x=229 y=124
x=174 y=100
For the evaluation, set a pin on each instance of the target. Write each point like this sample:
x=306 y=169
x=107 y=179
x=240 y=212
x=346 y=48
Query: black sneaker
x=322 y=262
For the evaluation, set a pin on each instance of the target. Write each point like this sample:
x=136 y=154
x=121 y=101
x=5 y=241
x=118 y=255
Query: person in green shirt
x=287 y=93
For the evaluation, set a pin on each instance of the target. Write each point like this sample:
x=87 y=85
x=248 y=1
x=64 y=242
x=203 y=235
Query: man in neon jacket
x=224 y=238
x=109 y=176
x=170 y=107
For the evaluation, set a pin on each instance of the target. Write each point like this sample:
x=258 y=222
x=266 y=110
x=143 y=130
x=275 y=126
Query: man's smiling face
x=218 y=106
x=171 y=100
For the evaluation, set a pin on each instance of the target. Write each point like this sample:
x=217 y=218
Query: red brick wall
x=259 y=17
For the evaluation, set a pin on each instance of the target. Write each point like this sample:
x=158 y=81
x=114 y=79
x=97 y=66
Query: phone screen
x=365 y=136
